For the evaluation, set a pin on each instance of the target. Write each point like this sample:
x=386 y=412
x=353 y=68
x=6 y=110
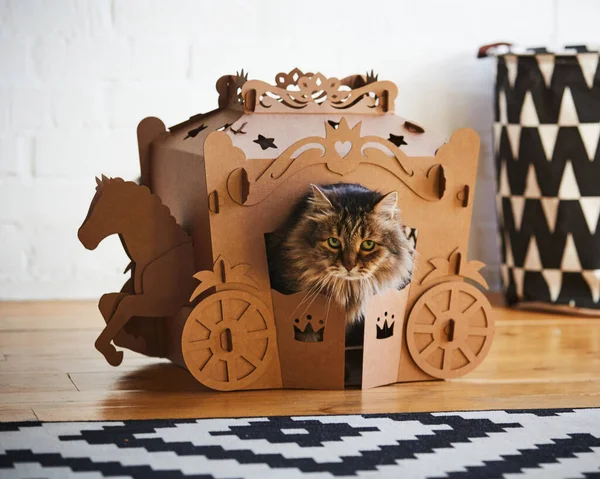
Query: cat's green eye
x=367 y=245
x=334 y=242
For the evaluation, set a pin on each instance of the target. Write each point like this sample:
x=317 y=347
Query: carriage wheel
x=228 y=340
x=450 y=329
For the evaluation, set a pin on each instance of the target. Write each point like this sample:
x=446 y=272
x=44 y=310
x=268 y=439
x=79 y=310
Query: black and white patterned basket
x=546 y=132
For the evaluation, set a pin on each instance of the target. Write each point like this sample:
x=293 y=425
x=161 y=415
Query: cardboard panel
x=298 y=127
x=179 y=179
x=311 y=339
x=384 y=320
x=148 y=130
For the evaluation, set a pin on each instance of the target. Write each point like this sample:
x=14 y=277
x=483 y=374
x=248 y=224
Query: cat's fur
x=300 y=258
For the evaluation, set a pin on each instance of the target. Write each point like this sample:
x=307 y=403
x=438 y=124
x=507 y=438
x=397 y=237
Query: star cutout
x=397 y=140
x=195 y=131
x=334 y=124
x=265 y=142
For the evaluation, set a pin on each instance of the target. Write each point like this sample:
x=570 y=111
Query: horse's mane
x=153 y=202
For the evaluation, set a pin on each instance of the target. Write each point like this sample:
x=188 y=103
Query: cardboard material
x=161 y=259
x=231 y=176
x=306 y=363
x=384 y=329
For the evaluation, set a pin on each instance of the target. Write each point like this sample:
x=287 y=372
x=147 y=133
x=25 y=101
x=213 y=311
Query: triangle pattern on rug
x=546 y=66
x=568 y=113
x=548 y=134
x=590 y=205
x=529 y=116
x=592 y=278
x=590 y=133
x=514 y=138
x=518 y=206
x=588 y=62
x=550 y=208
x=569 y=189
x=553 y=278
x=532 y=187
x=570 y=260
x=532 y=258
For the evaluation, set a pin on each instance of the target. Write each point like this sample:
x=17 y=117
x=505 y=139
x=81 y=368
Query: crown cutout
x=308 y=334
x=387 y=330
x=297 y=92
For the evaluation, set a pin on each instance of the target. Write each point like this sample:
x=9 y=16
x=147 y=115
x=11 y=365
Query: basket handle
x=483 y=50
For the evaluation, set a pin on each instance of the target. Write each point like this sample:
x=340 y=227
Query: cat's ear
x=319 y=199
x=388 y=205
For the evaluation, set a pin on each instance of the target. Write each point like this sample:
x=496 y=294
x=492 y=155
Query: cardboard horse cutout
x=216 y=184
x=160 y=253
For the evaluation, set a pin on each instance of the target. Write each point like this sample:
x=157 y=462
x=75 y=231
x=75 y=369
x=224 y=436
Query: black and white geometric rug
x=534 y=443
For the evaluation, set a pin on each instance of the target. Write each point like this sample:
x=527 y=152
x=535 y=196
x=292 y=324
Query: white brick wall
x=76 y=76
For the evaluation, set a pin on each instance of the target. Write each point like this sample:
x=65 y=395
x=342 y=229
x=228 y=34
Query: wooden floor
x=49 y=370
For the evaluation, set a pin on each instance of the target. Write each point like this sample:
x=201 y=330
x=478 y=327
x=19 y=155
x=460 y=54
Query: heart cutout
x=343 y=147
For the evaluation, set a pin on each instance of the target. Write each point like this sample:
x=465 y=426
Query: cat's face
x=352 y=235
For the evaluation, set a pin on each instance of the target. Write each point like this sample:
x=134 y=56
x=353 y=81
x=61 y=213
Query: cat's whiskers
x=307 y=297
x=330 y=297
x=322 y=282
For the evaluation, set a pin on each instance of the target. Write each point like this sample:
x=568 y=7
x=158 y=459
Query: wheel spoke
x=209 y=364
x=453 y=303
x=198 y=344
x=246 y=314
x=468 y=353
x=424 y=328
x=433 y=307
x=479 y=332
x=471 y=309
x=225 y=310
x=231 y=369
x=428 y=351
x=447 y=359
x=252 y=359
x=207 y=322
x=255 y=335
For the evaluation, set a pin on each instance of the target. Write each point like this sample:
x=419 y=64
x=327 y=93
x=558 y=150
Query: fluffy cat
x=344 y=240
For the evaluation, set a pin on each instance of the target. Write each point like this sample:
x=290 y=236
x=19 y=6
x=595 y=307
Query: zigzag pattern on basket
x=548 y=169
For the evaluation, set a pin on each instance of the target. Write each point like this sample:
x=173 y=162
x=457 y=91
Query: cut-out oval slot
x=226 y=340
x=449 y=330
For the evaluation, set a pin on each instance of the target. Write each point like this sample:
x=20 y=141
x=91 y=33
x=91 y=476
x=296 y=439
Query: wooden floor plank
x=40 y=383
x=49 y=369
x=91 y=363
x=17 y=413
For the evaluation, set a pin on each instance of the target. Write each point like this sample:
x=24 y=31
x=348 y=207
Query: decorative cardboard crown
x=315 y=93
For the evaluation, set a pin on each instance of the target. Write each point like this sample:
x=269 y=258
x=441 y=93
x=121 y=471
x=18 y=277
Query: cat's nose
x=348 y=265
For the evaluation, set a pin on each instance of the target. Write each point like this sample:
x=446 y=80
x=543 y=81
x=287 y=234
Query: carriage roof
x=246 y=112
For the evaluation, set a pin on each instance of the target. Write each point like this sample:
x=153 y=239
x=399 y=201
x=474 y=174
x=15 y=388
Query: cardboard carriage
x=213 y=186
